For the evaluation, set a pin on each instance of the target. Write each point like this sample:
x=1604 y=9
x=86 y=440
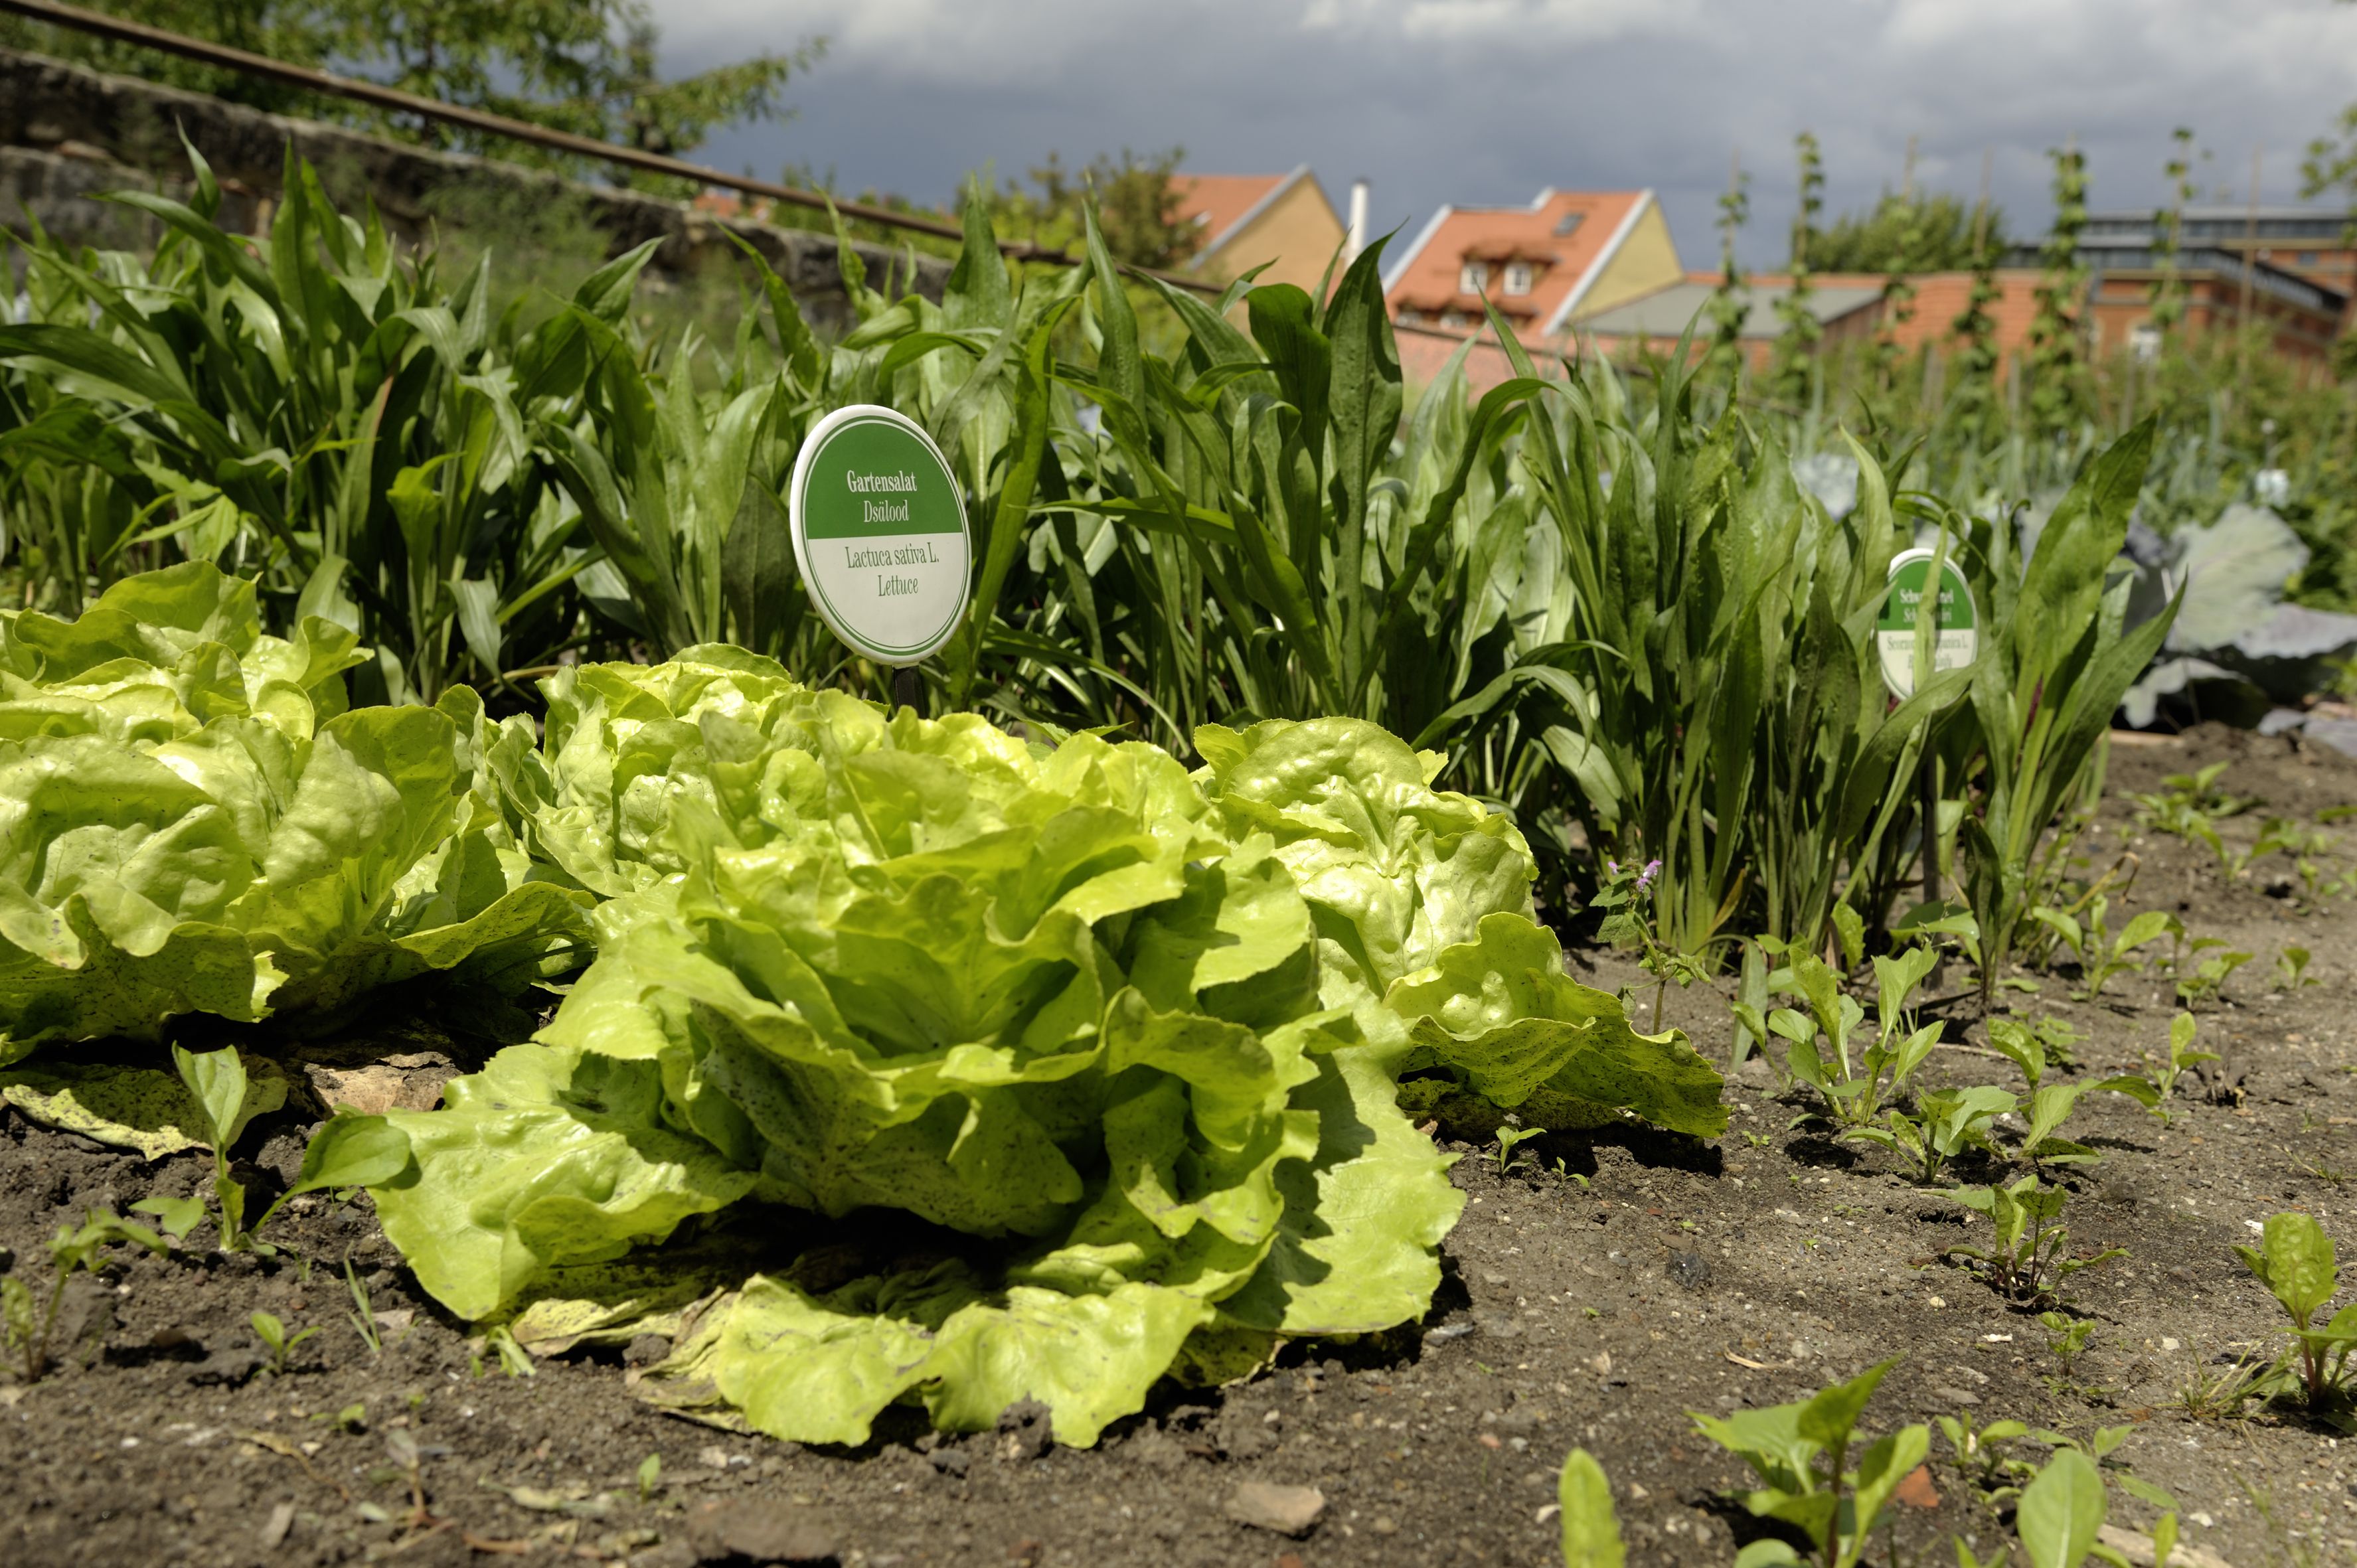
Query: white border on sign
x=1908 y=557
x=794 y=528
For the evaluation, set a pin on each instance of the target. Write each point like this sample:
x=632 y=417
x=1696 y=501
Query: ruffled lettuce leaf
x=1394 y=870
x=191 y=822
x=545 y=1158
x=1501 y=1013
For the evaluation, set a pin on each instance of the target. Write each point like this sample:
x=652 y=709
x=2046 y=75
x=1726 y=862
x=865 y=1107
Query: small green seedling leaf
x=2060 y=1510
x=1591 y=1530
x=176 y=1216
x=1828 y=1417
x=349 y=1151
x=2295 y=1260
x=1509 y=1139
x=217 y=1080
x=2020 y=1046
x=275 y=1338
x=651 y=1482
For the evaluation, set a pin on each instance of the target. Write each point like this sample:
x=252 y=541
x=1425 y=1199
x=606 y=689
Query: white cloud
x=1511 y=22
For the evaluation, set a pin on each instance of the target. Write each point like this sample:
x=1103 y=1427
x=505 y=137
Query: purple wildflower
x=1645 y=877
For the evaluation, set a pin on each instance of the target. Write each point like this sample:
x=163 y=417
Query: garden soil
x=1594 y=1296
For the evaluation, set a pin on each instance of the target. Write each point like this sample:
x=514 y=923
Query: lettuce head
x=192 y=821
x=1063 y=1067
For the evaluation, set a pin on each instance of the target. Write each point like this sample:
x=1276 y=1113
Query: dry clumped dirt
x=1593 y=1296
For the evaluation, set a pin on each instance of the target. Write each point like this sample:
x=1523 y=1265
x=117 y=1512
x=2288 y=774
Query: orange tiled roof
x=1219 y=202
x=1566 y=234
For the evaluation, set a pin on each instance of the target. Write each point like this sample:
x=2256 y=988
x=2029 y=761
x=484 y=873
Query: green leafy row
x=1609 y=606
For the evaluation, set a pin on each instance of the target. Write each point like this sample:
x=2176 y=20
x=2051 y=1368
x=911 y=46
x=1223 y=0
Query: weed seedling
x=363 y=1315
x=1855 y=1084
x=26 y=1328
x=2291 y=969
x=1801 y=1453
x=2295 y=1260
x=1591 y=1528
x=1509 y=1140
x=2026 y=1261
x=2182 y=1057
x=2102 y=954
x=346 y=1150
x=1626 y=900
x=2186 y=804
x=1979 y=1457
x=2216 y=1393
x=1948 y=1122
x=649 y=1477
x=2066 y=1339
x=277 y=1340
x=2208 y=981
x=217 y=1081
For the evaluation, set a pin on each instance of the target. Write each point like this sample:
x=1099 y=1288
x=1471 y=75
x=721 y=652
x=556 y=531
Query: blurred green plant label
x=880 y=534
x=1957 y=620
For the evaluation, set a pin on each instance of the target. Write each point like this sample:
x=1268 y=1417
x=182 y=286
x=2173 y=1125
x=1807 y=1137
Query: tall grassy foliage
x=1621 y=620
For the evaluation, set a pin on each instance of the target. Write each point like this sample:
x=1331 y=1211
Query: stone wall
x=68 y=134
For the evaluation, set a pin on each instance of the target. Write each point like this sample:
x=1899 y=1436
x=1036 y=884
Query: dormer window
x=1518 y=277
x=1473 y=277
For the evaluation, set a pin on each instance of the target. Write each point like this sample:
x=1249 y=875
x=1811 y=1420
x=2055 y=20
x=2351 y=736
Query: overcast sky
x=1478 y=102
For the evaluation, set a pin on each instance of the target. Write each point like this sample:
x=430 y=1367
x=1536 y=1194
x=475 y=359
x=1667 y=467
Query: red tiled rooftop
x=1570 y=230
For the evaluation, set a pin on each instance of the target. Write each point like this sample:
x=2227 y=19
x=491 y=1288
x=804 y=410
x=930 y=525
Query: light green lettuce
x=622 y=748
x=1098 y=1056
x=191 y=822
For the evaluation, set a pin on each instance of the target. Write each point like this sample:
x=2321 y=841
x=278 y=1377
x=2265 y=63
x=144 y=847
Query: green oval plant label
x=880 y=534
x=1957 y=620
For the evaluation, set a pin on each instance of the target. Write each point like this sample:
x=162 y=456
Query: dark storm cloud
x=1487 y=100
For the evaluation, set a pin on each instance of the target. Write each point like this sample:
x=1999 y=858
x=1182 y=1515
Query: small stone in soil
x=760 y=1530
x=1691 y=1270
x=282 y=1520
x=1288 y=1510
x=1024 y=1431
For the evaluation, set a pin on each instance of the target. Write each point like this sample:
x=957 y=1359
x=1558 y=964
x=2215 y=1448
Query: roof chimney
x=1358 y=238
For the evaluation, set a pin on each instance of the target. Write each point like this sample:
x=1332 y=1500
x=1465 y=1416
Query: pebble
x=1691 y=1270
x=1024 y=1431
x=1288 y=1510
x=761 y=1531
